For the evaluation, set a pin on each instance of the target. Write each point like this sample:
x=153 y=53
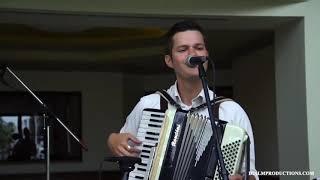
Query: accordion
x=176 y=146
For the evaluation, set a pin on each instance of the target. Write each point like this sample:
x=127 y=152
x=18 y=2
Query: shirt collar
x=200 y=99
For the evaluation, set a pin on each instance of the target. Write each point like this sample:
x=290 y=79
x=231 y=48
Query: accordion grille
x=232 y=147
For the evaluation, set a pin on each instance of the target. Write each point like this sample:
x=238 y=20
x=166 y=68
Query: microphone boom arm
x=44 y=106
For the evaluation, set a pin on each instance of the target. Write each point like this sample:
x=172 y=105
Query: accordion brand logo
x=176 y=134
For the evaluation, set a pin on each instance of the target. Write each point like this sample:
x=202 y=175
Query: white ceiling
x=110 y=48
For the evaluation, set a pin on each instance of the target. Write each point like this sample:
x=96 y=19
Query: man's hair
x=182 y=26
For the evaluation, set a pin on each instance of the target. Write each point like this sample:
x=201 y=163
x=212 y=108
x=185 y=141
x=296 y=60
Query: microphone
x=192 y=61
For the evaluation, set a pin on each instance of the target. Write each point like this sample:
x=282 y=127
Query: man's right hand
x=123 y=144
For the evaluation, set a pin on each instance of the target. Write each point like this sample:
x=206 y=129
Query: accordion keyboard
x=148 y=133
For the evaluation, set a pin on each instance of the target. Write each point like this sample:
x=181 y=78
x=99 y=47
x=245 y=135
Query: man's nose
x=192 y=52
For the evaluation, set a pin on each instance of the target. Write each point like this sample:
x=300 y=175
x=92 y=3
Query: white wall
x=254 y=89
x=291 y=98
x=101 y=113
x=312 y=64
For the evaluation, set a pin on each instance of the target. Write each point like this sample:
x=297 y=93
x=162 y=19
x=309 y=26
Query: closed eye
x=182 y=48
x=200 y=47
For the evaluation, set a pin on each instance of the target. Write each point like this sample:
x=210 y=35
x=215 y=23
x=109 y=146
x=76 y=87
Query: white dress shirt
x=229 y=111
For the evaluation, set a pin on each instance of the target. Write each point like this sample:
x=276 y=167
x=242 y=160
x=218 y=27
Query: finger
x=135 y=154
x=134 y=139
x=135 y=150
x=118 y=152
x=235 y=177
x=123 y=151
x=128 y=147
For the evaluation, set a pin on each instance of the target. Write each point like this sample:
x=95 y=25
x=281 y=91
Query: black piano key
x=151 y=138
x=156 y=120
x=157 y=115
x=153 y=133
x=139 y=177
x=145 y=156
x=145 y=151
x=153 y=125
x=141 y=169
x=142 y=164
x=147 y=146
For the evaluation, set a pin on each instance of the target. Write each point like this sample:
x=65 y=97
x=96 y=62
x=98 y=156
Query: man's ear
x=168 y=60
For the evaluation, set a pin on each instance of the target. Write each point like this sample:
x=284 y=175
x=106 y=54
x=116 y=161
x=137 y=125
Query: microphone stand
x=215 y=147
x=47 y=122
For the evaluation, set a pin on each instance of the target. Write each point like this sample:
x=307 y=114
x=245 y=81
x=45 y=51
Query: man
x=184 y=39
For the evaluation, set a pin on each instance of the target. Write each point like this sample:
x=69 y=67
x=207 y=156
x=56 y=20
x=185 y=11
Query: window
x=22 y=133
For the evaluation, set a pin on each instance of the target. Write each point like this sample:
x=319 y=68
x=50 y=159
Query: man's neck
x=188 y=90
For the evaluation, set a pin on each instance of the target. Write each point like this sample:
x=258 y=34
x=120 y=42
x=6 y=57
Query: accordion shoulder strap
x=218 y=101
x=165 y=98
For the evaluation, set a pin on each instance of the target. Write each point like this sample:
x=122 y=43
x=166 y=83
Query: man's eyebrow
x=199 y=44
x=182 y=46
x=185 y=45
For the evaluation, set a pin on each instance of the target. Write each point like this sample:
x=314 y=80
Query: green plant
x=6 y=131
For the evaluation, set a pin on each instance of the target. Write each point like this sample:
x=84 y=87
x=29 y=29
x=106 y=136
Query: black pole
x=215 y=149
x=246 y=175
x=47 y=130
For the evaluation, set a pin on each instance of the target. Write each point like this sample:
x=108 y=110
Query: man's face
x=187 y=43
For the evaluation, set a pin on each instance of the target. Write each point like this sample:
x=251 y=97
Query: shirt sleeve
x=234 y=114
x=245 y=124
x=133 y=120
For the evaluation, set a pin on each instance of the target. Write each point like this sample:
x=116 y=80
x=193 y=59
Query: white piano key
x=151 y=117
x=154 y=130
x=133 y=175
